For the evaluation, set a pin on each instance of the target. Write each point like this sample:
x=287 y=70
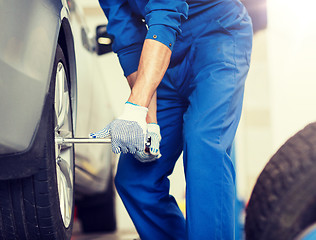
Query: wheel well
x=62 y=41
x=66 y=42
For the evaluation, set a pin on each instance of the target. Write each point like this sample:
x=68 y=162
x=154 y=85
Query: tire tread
x=288 y=168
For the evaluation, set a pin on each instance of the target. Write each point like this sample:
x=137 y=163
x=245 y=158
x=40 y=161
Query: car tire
x=283 y=201
x=31 y=208
x=97 y=212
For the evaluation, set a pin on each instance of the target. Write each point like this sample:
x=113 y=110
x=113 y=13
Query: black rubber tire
x=97 y=212
x=283 y=201
x=29 y=207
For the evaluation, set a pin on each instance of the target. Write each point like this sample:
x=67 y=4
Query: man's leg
x=219 y=68
x=144 y=187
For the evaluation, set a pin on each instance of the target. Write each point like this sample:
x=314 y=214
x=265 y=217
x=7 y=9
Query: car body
x=27 y=50
x=33 y=33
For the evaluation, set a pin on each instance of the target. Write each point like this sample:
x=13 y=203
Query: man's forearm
x=153 y=64
x=131 y=79
x=152 y=108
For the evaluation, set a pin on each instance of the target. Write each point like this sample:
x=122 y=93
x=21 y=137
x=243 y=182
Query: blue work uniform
x=199 y=103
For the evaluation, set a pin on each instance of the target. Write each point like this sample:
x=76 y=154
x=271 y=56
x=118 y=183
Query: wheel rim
x=64 y=153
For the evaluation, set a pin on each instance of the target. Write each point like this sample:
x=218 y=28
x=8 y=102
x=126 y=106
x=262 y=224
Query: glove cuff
x=153 y=127
x=133 y=112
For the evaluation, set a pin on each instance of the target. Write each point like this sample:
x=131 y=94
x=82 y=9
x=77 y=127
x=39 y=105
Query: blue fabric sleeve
x=128 y=30
x=164 y=18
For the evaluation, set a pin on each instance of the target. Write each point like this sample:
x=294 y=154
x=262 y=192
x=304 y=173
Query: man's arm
x=152 y=108
x=153 y=127
x=163 y=19
x=153 y=64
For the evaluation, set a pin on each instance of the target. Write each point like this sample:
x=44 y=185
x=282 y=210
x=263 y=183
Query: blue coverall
x=199 y=104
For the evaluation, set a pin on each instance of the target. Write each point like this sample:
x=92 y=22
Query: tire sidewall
x=61 y=231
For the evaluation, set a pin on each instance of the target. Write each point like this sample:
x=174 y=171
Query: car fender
x=29 y=34
x=27 y=51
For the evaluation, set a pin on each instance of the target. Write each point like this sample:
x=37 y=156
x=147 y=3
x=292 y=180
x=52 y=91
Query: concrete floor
x=119 y=235
x=114 y=236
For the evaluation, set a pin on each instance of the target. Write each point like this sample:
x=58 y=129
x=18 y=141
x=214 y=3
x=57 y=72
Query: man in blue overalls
x=186 y=63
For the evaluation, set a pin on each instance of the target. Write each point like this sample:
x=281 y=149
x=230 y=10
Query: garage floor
x=115 y=236
x=120 y=235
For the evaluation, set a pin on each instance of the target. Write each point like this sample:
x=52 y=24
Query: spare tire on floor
x=283 y=201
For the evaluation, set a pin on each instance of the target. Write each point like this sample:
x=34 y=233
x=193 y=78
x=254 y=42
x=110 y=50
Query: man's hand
x=155 y=138
x=128 y=132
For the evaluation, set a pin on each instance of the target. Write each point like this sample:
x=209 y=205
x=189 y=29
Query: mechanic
x=186 y=63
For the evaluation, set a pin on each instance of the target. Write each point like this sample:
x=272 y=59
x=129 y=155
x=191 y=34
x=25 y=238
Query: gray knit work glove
x=153 y=150
x=128 y=132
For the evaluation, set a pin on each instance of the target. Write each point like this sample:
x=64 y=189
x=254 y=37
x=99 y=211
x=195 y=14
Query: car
x=47 y=58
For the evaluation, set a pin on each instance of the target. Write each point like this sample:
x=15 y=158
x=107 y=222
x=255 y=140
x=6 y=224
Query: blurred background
x=279 y=97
